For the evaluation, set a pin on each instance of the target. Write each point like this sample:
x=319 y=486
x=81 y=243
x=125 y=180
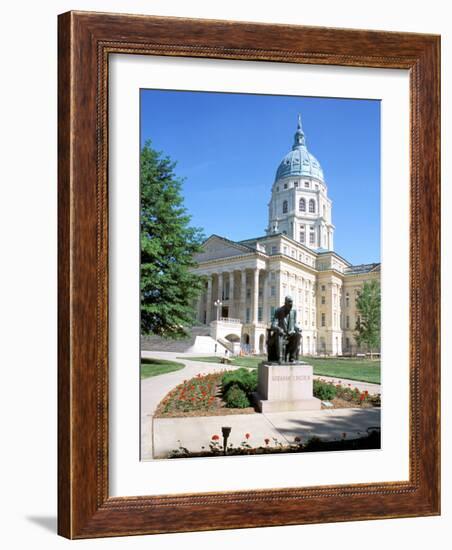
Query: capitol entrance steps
x=197 y=341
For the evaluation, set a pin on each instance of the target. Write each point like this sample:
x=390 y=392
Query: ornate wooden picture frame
x=86 y=40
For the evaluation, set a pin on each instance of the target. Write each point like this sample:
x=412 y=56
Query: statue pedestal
x=286 y=387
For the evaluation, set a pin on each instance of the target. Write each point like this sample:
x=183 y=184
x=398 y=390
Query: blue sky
x=228 y=147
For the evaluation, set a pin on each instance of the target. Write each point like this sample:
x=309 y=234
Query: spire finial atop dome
x=299 y=139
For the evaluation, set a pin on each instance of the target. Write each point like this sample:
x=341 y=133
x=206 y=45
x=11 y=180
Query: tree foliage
x=168 y=243
x=368 y=304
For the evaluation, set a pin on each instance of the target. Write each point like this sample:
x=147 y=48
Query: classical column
x=278 y=288
x=199 y=308
x=265 y=315
x=231 y=294
x=242 y=307
x=209 y=300
x=220 y=287
x=256 y=295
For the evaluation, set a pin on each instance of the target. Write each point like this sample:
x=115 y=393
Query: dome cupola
x=299 y=162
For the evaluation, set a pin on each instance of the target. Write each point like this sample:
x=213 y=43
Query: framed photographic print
x=248 y=275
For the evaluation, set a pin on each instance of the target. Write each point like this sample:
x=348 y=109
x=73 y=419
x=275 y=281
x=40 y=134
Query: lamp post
x=226 y=431
x=218 y=303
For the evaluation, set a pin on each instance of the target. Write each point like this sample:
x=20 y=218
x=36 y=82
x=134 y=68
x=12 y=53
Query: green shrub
x=245 y=379
x=236 y=398
x=324 y=390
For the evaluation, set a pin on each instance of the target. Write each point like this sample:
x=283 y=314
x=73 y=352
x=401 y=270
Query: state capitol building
x=247 y=280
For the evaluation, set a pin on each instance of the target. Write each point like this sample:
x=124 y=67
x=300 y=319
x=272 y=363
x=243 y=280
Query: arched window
x=302 y=205
x=312 y=206
x=284 y=207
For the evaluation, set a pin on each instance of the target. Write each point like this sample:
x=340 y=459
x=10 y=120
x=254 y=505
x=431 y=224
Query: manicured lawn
x=353 y=369
x=154 y=367
x=250 y=362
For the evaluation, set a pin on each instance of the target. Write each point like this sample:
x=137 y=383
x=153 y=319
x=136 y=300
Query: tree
x=368 y=324
x=168 y=244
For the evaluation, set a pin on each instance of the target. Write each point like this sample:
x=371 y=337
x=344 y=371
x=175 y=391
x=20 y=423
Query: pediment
x=216 y=247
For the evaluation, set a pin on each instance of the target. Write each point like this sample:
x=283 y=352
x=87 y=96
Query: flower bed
x=372 y=440
x=342 y=396
x=196 y=394
x=230 y=392
x=203 y=396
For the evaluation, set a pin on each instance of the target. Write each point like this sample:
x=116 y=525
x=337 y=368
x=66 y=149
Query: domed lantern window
x=312 y=206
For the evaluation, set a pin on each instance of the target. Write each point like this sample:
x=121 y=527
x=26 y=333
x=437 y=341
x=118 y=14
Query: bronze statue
x=284 y=336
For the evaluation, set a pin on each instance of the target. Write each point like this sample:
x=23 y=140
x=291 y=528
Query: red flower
x=267 y=441
x=362 y=397
x=215 y=437
x=247 y=436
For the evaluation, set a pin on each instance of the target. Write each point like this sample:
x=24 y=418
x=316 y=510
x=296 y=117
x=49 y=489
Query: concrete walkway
x=154 y=389
x=195 y=432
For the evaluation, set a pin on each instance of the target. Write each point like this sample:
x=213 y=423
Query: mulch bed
x=212 y=403
x=216 y=407
x=339 y=403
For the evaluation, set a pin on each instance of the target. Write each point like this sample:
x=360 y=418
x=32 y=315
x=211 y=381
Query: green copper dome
x=299 y=162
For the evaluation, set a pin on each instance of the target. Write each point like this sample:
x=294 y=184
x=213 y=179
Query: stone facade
x=252 y=277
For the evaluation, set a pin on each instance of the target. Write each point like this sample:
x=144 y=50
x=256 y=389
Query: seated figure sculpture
x=283 y=338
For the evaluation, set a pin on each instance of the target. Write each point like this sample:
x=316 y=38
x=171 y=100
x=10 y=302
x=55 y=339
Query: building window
x=247 y=314
x=285 y=250
x=323 y=320
x=312 y=206
x=347 y=343
x=273 y=249
x=284 y=207
x=295 y=183
x=277 y=189
x=323 y=288
x=285 y=186
x=302 y=205
x=347 y=300
x=260 y=292
x=302 y=238
x=259 y=314
x=248 y=292
x=273 y=291
x=272 y=311
x=311 y=238
x=306 y=184
x=323 y=299
x=347 y=322
x=293 y=253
